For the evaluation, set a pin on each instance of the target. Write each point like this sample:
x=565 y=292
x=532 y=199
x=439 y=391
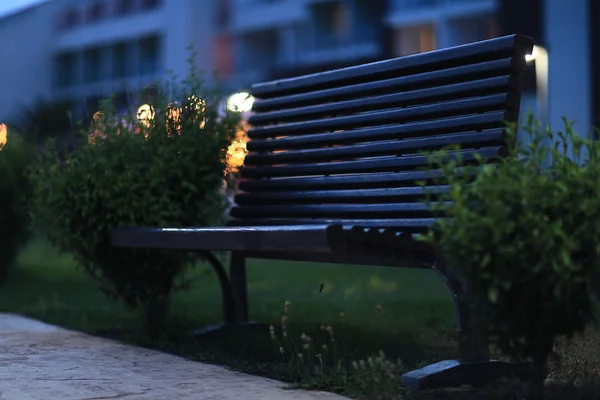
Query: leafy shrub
x=160 y=166
x=525 y=237
x=15 y=189
x=46 y=119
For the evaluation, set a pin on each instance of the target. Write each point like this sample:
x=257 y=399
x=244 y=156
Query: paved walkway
x=44 y=362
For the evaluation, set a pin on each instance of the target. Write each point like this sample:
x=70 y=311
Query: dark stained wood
x=259 y=238
x=388 y=115
x=363 y=196
x=396 y=147
x=351 y=181
x=395 y=85
x=412 y=225
x=372 y=259
x=369 y=165
x=420 y=102
x=386 y=210
x=388 y=131
x=498 y=48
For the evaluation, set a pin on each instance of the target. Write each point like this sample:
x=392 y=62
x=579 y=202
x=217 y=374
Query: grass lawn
x=416 y=324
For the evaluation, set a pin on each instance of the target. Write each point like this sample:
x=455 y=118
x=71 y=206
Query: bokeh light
x=240 y=102
x=3 y=135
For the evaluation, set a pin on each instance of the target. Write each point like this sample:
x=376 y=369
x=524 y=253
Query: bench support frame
x=234 y=295
x=472 y=367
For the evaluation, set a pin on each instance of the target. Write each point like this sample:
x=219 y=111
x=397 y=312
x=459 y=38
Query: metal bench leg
x=229 y=313
x=239 y=286
x=474 y=365
x=233 y=292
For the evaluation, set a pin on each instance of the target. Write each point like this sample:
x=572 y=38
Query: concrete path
x=44 y=362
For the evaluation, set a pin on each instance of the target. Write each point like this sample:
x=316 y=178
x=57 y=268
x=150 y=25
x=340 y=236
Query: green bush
x=15 y=189
x=136 y=171
x=525 y=237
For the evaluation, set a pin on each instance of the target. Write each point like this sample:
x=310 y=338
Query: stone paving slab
x=44 y=362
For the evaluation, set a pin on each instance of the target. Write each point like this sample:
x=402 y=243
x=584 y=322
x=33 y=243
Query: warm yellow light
x=173 y=112
x=240 y=102
x=3 y=135
x=173 y=119
x=196 y=105
x=237 y=150
x=145 y=114
x=236 y=154
x=97 y=130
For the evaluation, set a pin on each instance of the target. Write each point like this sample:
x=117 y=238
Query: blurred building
x=278 y=38
x=86 y=49
x=82 y=50
x=290 y=37
x=25 y=72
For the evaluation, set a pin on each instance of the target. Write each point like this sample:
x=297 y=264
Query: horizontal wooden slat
x=338 y=196
x=412 y=99
x=353 y=181
x=395 y=85
x=413 y=225
x=495 y=137
x=444 y=93
x=382 y=260
x=389 y=210
x=469 y=53
x=294 y=237
x=416 y=129
x=364 y=166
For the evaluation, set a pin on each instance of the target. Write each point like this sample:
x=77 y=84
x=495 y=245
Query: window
x=149 y=4
x=223 y=13
x=70 y=19
x=64 y=70
x=149 y=55
x=120 y=65
x=332 y=23
x=414 y=39
x=224 y=55
x=91 y=65
x=123 y=7
x=96 y=11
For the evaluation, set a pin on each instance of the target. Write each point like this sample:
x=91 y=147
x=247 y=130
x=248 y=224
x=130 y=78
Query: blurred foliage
x=15 y=189
x=45 y=120
x=524 y=234
x=160 y=166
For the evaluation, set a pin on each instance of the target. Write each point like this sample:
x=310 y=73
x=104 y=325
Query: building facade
x=26 y=38
x=279 y=38
x=83 y=50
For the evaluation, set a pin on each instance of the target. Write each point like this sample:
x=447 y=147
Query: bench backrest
x=344 y=146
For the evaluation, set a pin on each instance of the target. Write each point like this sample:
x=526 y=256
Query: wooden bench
x=332 y=171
